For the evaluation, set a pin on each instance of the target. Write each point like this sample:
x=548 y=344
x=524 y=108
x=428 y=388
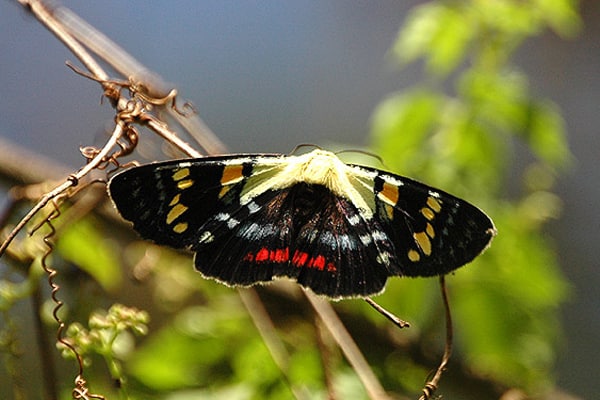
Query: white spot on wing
x=222 y=217
x=252 y=207
x=365 y=239
x=333 y=241
x=232 y=223
x=346 y=242
x=245 y=160
x=206 y=237
x=329 y=239
x=225 y=217
x=354 y=220
x=392 y=180
x=255 y=231
x=379 y=236
x=383 y=258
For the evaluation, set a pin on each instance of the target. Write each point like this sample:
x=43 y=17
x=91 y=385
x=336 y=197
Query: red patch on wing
x=266 y=255
x=300 y=259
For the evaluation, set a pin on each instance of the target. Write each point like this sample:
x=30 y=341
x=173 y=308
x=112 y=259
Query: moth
x=338 y=229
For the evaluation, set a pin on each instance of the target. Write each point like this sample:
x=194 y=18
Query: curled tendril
x=131 y=138
x=80 y=391
x=139 y=92
x=428 y=391
x=127 y=145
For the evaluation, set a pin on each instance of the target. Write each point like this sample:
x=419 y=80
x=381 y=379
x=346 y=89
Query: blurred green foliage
x=458 y=129
x=85 y=246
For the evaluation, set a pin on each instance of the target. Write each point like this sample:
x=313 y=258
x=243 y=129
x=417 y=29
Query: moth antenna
x=363 y=152
x=301 y=145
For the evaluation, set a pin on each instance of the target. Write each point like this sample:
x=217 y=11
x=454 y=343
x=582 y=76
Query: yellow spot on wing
x=423 y=241
x=434 y=204
x=175 y=199
x=224 y=191
x=389 y=192
x=427 y=213
x=180 y=174
x=175 y=213
x=232 y=174
x=389 y=210
x=182 y=185
x=413 y=255
x=180 y=227
x=430 y=231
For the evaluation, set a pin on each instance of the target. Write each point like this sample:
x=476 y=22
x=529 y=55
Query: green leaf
x=498 y=98
x=239 y=391
x=546 y=134
x=83 y=244
x=454 y=32
x=438 y=33
x=171 y=359
x=506 y=305
x=417 y=33
x=562 y=16
x=401 y=123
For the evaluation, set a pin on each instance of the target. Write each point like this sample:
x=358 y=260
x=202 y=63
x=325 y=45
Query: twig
x=128 y=66
x=45 y=14
x=432 y=385
x=400 y=323
x=39 y=168
x=267 y=331
x=170 y=136
x=324 y=342
x=72 y=180
x=348 y=346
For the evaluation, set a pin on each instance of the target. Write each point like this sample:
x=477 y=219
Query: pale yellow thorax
x=318 y=167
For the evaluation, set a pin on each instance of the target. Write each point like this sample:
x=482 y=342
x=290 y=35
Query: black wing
x=168 y=202
x=432 y=232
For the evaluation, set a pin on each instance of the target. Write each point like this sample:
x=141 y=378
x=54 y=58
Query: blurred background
x=268 y=75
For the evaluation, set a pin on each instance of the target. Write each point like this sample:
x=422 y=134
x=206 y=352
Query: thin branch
x=127 y=65
x=71 y=181
x=170 y=136
x=39 y=168
x=349 y=348
x=46 y=15
x=432 y=385
x=400 y=323
x=325 y=343
x=266 y=329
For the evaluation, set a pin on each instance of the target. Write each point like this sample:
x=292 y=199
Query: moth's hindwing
x=301 y=232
